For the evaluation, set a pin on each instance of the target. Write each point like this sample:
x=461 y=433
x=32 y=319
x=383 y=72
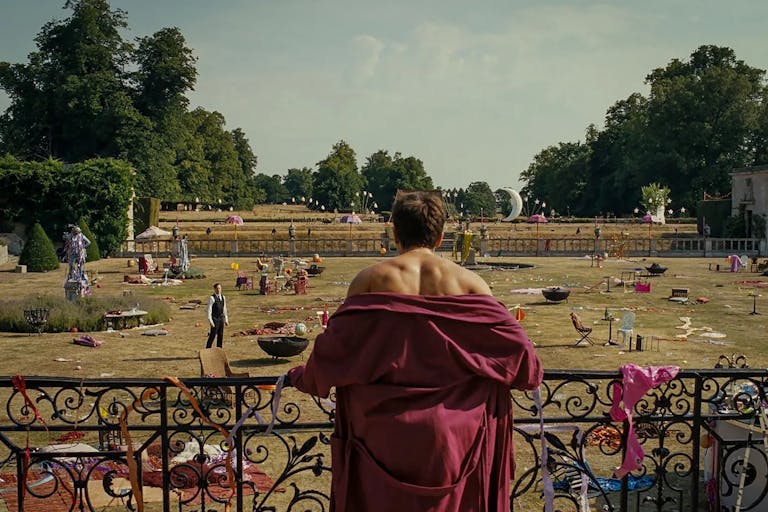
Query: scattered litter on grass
x=707 y=331
x=708 y=341
x=150 y=326
x=528 y=291
x=155 y=332
x=63 y=360
x=104 y=374
x=88 y=341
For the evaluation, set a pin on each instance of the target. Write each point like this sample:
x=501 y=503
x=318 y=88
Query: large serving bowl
x=556 y=293
x=283 y=346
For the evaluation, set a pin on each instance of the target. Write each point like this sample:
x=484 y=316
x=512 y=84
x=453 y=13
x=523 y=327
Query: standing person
x=217 y=316
x=433 y=369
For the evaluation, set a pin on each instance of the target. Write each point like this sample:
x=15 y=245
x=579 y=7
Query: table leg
x=610 y=334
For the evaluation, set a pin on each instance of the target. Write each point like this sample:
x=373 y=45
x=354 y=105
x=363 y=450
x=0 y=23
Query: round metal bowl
x=283 y=346
x=656 y=270
x=556 y=293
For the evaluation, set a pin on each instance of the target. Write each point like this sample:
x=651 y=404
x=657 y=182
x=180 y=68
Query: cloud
x=367 y=51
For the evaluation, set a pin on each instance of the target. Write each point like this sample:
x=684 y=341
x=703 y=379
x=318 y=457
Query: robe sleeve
x=508 y=356
x=527 y=370
x=341 y=357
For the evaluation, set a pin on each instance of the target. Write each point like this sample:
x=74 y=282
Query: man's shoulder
x=373 y=276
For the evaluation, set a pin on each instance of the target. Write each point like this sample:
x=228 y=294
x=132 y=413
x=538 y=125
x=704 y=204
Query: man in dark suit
x=217 y=316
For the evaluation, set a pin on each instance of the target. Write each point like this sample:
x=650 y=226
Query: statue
x=183 y=254
x=75 y=245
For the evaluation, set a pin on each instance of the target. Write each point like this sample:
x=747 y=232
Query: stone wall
x=14 y=243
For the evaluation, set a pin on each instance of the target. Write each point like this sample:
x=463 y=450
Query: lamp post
x=650 y=225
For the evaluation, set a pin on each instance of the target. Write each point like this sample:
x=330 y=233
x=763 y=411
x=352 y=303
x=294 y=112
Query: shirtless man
x=421 y=353
x=418 y=219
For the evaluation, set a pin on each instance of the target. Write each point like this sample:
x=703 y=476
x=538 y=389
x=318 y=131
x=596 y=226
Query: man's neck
x=417 y=250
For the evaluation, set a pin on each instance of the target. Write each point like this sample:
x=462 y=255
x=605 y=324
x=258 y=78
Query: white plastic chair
x=627 y=326
x=743 y=262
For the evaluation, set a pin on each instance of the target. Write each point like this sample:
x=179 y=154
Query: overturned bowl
x=556 y=293
x=283 y=346
x=656 y=270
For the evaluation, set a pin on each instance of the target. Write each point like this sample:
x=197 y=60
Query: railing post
x=165 y=446
x=696 y=469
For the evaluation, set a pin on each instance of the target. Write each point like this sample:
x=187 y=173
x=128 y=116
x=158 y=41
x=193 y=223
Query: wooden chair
x=300 y=285
x=583 y=330
x=214 y=363
x=243 y=282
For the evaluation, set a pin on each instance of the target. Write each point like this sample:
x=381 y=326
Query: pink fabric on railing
x=636 y=383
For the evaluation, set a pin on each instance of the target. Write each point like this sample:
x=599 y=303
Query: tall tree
x=337 y=179
x=618 y=160
x=271 y=189
x=701 y=114
x=166 y=72
x=385 y=175
x=377 y=173
x=298 y=183
x=70 y=101
x=219 y=156
x=479 y=199
x=558 y=176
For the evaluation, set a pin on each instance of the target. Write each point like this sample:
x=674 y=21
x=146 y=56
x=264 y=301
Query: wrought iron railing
x=181 y=460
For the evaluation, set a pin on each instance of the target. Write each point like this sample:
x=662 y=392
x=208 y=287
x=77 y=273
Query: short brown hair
x=419 y=217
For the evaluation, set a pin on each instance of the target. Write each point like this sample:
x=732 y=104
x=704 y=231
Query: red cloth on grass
x=423 y=408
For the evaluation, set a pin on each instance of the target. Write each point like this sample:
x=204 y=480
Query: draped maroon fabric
x=423 y=408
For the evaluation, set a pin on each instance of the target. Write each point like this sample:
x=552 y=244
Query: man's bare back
x=418 y=272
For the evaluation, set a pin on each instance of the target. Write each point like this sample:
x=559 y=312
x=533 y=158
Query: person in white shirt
x=217 y=316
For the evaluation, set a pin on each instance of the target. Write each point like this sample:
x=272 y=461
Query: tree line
x=86 y=92
x=703 y=117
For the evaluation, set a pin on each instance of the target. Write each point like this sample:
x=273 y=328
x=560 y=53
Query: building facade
x=749 y=197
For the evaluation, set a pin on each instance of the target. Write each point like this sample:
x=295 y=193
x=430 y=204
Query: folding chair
x=583 y=330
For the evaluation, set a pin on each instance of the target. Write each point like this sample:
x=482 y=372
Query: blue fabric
x=611 y=484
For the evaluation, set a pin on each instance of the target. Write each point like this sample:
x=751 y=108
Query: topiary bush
x=92 y=253
x=38 y=253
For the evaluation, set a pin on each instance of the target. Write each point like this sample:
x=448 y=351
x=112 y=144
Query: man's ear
x=439 y=241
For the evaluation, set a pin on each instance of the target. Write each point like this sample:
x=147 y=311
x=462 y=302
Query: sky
x=473 y=89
